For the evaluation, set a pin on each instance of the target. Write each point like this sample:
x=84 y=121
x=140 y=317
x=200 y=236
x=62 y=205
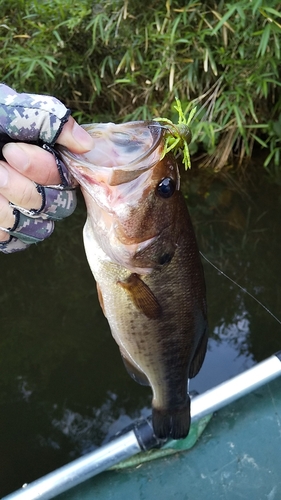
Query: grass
x=115 y=60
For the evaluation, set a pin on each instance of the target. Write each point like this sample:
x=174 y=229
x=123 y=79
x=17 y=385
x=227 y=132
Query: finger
x=3 y=236
x=75 y=138
x=37 y=164
x=18 y=189
x=7 y=218
x=33 y=162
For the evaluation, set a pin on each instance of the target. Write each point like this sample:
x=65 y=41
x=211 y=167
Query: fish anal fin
x=142 y=296
x=172 y=423
x=199 y=355
x=137 y=375
x=100 y=297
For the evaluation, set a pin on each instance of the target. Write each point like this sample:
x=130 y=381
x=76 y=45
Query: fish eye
x=166 y=187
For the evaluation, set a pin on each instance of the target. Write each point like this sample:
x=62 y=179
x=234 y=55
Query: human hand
x=35 y=187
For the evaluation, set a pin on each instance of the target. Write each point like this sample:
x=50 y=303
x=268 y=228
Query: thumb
x=75 y=138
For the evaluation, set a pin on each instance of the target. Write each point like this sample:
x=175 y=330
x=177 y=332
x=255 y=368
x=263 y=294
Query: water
x=63 y=388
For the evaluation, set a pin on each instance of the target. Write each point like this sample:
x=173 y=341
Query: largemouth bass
x=142 y=251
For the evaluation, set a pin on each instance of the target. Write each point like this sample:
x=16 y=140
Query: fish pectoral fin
x=142 y=296
x=137 y=375
x=100 y=297
x=199 y=355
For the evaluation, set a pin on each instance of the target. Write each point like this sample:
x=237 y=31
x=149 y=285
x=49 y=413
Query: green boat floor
x=238 y=456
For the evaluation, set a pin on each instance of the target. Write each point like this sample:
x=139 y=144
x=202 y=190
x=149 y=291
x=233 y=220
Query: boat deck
x=238 y=456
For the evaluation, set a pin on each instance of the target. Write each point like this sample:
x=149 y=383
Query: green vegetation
x=126 y=60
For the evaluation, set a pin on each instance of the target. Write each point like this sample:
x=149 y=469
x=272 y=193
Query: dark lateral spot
x=165 y=259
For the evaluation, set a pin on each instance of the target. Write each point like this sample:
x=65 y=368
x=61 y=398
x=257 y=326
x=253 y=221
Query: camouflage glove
x=36 y=119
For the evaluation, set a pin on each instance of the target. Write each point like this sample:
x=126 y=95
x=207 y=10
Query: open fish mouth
x=121 y=152
x=120 y=164
x=130 y=144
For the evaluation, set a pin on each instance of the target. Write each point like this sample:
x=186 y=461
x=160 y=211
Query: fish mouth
x=124 y=155
x=138 y=140
x=121 y=152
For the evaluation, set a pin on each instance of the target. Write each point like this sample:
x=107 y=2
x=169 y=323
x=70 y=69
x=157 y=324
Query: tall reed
x=126 y=60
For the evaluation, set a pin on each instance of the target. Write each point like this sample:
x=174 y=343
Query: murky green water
x=63 y=387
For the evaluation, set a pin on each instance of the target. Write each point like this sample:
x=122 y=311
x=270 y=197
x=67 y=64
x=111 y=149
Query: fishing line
x=241 y=288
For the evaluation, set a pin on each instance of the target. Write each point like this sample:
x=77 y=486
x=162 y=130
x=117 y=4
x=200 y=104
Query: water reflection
x=63 y=387
x=228 y=354
x=81 y=429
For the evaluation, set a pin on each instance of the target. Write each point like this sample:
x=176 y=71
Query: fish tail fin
x=172 y=423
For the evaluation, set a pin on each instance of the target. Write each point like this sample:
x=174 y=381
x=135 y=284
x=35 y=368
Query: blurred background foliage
x=116 y=60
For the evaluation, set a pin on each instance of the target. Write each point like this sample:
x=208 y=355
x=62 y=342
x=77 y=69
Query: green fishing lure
x=178 y=136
